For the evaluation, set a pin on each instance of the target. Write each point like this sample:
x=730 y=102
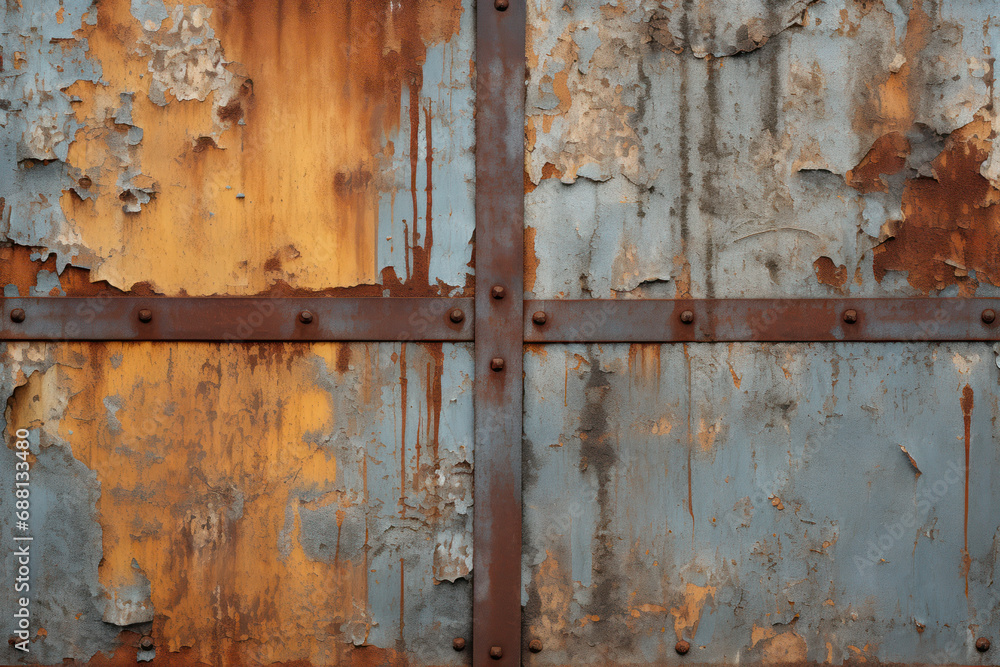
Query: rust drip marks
x=402 y=429
x=434 y=374
x=292 y=108
x=967 y=401
x=885 y=158
x=950 y=222
x=829 y=273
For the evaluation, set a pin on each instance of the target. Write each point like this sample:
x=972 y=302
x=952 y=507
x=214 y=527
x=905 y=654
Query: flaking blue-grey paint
x=755 y=501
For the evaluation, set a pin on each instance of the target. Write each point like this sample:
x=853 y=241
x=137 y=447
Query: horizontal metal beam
x=433 y=319
x=236 y=319
x=760 y=320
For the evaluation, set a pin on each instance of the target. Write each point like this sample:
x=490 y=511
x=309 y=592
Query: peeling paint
x=243 y=503
x=142 y=121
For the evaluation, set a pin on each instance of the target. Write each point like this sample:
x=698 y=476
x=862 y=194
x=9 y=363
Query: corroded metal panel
x=227 y=147
x=768 y=504
x=245 y=504
x=762 y=149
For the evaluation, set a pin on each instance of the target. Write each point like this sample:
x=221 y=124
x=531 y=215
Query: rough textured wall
x=732 y=148
x=770 y=504
x=302 y=504
x=238 y=147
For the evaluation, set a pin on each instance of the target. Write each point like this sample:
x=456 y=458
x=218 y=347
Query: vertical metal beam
x=500 y=89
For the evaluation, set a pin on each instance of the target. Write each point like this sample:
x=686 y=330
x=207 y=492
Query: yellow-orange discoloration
x=779 y=648
x=688 y=614
x=300 y=136
x=205 y=458
x=555 y=595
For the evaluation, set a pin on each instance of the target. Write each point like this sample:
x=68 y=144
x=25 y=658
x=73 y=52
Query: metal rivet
x=539 y=317
x=501 y=5
x=989 y=315
x=145 y=315
x=497 y=364
x=850 y=316
x=682 y=647
x=535 y=646
x=687 y=317
x=496 y=652
x=498 y=292
x=17 y=315
x=85 y=182
x=456 y=315
x=982 y=644
x=306 y=317
x=458 y=643
x=146 y=643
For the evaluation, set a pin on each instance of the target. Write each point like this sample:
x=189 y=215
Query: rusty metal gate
x=327 y=341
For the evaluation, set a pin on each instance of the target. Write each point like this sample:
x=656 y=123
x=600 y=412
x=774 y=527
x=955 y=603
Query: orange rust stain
x=204 y=466
x=829 y=273
x=301 y=135
x=779 y=648
x=886 y=157
x=688 y=614
x=402 y=429
x=554 y=590
x=530 y=259
x=950 y=222
x=549 y=170
x=967 y=401
x=737 y=379
x=894 y=100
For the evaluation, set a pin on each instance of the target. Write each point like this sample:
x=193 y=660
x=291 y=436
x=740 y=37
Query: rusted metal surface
x=500 y=287
x=239 y=148
x=236 y=319
x=244 y=504
x=773 y=320
x=722 y=149
x=768 y=504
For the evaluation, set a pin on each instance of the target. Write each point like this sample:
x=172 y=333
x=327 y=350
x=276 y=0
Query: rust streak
x=967 y=402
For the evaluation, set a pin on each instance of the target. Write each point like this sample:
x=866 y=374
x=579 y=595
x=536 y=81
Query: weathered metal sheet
x=243 y=504
x=237 y=319
x=762 y=149
x=769 y=504
x=238 y=148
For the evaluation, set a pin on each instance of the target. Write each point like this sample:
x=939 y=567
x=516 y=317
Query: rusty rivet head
x=501 y=5
x=458 y=643
x=850 y=316
x=456 y=315
x=682 y=647
x=496 y=652
x=497 y=364
x=146 y=643
x=306 y=317
x=982 y=644
x=17 y=315
x=535 y=646
x=989 y=315
x=145 y=315
x=687 y=317
x=498 y=292
x=539 y=317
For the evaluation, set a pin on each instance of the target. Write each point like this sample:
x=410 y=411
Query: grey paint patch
x=753 y=500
